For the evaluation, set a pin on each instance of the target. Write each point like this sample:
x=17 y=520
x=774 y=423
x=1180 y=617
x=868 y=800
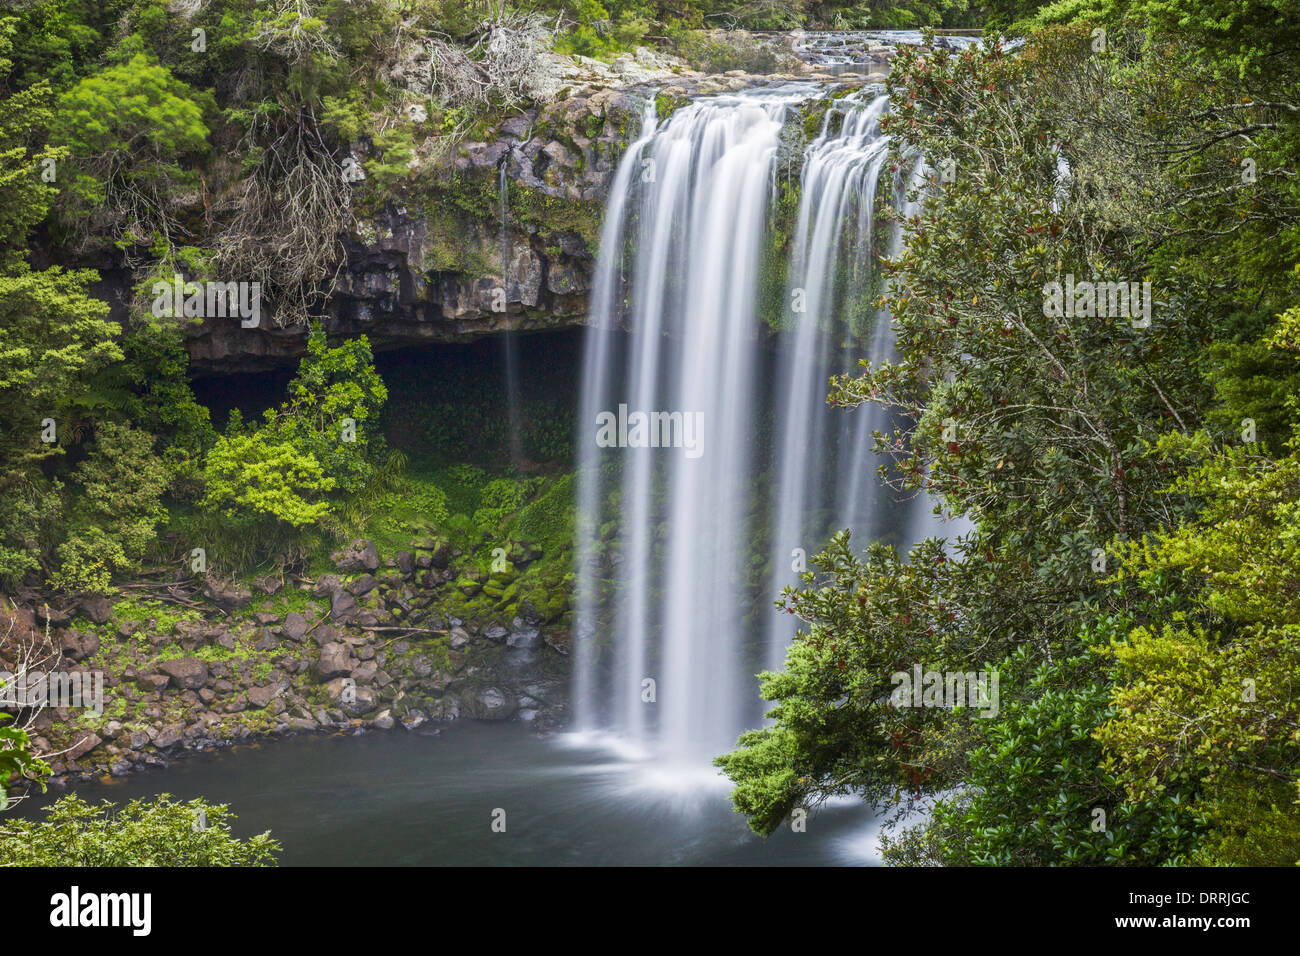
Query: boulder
x=295 y=626
x=188 y=673
x=83 y=746
x=335 y=661
x=491 y=704
x=98 y=609
x=326 y=585
x=525 y=638
x=361 y=555
x=78 y=646
x=259 y=697
x=168 y=737
x=268 y=583
x=362 y=585
x=343 y=607
x=226 y=595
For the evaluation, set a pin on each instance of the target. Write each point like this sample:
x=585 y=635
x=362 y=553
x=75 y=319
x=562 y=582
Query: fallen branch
x=417 y=630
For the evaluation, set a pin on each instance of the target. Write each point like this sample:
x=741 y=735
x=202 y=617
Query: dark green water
x=408 y=800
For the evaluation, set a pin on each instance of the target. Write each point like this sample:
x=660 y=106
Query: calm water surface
x=410 y=800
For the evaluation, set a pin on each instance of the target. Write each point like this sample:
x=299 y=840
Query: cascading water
x=670 y=623
x=832 y=265
x=509 y=346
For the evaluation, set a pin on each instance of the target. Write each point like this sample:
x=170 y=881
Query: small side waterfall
x=684 y=547
x=509 y=346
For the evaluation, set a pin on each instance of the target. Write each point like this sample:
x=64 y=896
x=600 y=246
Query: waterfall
x=672 y=616
x=832 y=264
x=510 y=349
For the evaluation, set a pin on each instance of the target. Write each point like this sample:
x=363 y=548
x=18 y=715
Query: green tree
x=158 y=832
x=132 y=132
x=115 y=519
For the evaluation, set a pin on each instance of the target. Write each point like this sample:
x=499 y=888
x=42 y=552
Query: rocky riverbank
x=199 y=664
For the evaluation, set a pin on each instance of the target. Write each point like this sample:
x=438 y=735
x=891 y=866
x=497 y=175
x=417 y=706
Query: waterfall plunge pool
x=398 y=799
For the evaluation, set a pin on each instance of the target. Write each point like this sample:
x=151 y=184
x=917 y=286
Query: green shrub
x=157 y=832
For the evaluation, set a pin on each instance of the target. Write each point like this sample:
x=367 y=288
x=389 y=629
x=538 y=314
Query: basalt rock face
x=441 y=263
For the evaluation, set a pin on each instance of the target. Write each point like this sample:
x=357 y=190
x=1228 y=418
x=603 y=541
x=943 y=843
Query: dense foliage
x=1130 y=568
x=158 y=832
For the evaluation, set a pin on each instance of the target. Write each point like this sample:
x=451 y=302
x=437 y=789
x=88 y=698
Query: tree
x=131 y=131
x=158 y=832
x=115 y=520
x=284 y=475
x=53 y=336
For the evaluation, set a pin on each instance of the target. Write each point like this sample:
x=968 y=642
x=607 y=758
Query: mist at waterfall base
x=681 y=556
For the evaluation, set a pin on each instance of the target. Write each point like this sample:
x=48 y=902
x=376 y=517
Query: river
x=398 y=799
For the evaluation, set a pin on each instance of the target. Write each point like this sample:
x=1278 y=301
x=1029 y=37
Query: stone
x=384 y=720
x=268 y=583
x=152 y=682
x=98 y=609
x=525 y=639
x=491 y=704
x=441 y=556
x=267 y=641
x=343 y=607
x=188 y=673
x=84 y=746
x=53 y=616
x=226 y=595
x=326 y=585
x=364 y=699
x=78 y=646
x=259 y=697
x=459 y=638
x=361 y=555
x=295 y=626
x=334 y=661
x=168 y=737
x=362 y=585
x=365 y=673
x=405 y=562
